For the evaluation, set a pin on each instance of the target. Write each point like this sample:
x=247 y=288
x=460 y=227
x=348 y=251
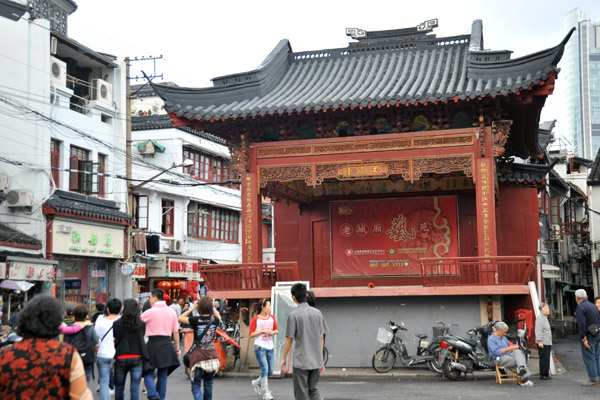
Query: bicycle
x=393 y=347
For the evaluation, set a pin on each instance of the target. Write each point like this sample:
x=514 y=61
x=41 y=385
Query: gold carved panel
x=411 y=169
x=365 y=146
x=443 y=165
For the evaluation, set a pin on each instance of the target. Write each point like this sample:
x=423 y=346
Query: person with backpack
x=85 y=341
x=106 y=351
x=130 y=350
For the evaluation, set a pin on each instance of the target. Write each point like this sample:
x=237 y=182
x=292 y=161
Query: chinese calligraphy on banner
x=389 y=237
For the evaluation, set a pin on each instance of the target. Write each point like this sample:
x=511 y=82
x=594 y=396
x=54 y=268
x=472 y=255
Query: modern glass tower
x=580 y=82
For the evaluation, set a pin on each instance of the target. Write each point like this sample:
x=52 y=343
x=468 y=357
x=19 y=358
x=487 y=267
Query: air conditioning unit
x=58 y=72
x=19 y=198
x=102 y=92
x=146 y=147
x=176 y=246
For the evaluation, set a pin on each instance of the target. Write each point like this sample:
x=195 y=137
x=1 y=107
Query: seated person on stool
x=507 y=355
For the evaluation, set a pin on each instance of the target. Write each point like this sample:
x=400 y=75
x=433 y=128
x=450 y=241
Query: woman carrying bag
x=130 y=350
x=204 y=360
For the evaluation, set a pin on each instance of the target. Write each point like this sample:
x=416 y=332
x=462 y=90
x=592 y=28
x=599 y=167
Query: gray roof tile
x=403 y=71
x=87 y=206
x=10 y=235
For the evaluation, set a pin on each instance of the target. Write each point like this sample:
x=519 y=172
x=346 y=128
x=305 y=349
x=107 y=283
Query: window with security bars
x=55 y=161
x=213 y=223
x=206 y=167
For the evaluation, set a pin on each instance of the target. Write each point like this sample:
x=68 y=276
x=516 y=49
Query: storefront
x=176 y=274
x=86 y=252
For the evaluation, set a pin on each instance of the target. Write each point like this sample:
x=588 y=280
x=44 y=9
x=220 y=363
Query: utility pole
x=128 y=165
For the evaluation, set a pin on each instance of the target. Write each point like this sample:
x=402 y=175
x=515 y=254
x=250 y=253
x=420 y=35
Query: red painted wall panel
x=517 y=234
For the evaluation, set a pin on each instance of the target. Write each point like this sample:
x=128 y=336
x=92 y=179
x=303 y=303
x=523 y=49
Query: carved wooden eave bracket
x=500 y=132
x=411 y=169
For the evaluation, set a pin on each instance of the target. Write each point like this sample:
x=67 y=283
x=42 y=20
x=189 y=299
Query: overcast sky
x=200 y=39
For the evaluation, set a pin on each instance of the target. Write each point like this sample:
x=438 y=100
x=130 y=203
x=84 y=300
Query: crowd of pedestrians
x=58 y=352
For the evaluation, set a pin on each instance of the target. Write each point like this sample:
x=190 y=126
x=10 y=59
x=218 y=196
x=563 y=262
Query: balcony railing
x=474 y=271
x=249 y=276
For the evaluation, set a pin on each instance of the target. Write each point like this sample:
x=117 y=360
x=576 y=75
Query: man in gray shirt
x=305 y=325
x=543 y=336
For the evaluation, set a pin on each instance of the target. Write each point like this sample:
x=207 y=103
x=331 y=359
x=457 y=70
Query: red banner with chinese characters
x=389 y=237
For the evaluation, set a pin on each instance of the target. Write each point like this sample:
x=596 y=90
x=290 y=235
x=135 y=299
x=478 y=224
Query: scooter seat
x=421 y=336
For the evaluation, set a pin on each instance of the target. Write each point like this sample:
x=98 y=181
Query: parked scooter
x=385 y=357
x=435 y=347
x=467 y=355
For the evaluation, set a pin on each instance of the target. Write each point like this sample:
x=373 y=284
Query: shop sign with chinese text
x=88 y=240
x=180 y=268
x=31 y=271
x=389 y=237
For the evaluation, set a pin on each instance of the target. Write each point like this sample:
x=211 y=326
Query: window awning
x=550 y=267
x=548 y=275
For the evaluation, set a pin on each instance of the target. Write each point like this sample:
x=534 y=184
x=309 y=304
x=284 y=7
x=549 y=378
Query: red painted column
x=251 y=214
x=486 y=205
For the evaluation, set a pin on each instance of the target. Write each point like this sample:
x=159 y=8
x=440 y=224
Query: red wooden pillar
x=486 y=206
x=251 y=213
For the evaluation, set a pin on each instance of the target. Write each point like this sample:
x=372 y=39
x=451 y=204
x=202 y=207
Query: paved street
x=405 y=383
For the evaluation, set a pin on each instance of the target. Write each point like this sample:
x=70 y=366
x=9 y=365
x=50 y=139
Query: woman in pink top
x=262 y=329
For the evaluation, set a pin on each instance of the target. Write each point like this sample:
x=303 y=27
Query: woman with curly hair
x=130 y=349
x=41 y=367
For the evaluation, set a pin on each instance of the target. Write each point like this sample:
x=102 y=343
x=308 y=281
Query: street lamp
x=186 y=163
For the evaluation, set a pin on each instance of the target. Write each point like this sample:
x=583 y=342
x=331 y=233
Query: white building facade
x=62 y=129
x=194 y=210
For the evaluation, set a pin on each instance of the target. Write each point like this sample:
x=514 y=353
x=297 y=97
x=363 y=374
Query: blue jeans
x=104 y=377
x=265 y=360
x=207 y=377
x=591 y=358
x=160 y=389
x=89 y=371
x=122 y=367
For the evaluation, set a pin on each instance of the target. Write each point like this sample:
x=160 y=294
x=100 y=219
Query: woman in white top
x=106 y=350
x=262 y=329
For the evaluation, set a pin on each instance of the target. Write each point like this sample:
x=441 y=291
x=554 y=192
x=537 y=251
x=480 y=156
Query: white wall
x=215 y=195
x=25 y=137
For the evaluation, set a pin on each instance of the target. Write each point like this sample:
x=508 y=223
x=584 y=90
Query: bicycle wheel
x=435 y=365
x=325 y=355
x=384 y=359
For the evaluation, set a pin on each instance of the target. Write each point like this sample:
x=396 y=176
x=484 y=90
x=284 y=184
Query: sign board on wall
x=136 y=270
x=30 y=270
x=182 y=268
x=389 y=237
x=88 y=240
x=2 y=270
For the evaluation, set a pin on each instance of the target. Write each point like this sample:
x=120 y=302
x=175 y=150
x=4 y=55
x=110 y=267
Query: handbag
x=187 y=356
x=593 y=330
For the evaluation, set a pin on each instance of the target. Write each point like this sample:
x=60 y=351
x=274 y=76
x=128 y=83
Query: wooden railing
x=477 y=271
x=248 y=276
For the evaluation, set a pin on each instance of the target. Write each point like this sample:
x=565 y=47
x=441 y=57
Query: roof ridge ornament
x=356 y=33
x=428 y=25
x=415 y=32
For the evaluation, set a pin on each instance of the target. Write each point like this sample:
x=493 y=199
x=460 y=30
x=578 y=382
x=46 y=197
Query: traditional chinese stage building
x=391 y=166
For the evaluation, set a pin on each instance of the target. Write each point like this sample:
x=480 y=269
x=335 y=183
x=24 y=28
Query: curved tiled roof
x=396 y=71
x=11 y=235
x=87 y=206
